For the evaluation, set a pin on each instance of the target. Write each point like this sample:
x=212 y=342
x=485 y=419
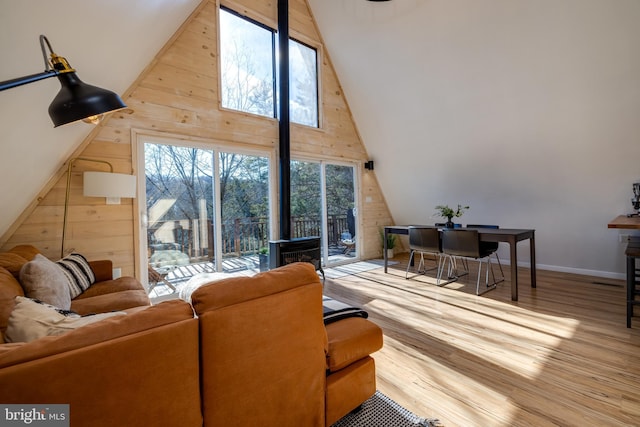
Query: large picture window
x=303 y=85
x=248 y=77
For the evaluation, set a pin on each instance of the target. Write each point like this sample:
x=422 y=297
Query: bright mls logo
x=34 y=415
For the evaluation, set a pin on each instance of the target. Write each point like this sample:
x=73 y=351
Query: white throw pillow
x=32 y=319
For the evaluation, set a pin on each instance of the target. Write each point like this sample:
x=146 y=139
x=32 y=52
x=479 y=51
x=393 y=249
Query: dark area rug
x=382 y=411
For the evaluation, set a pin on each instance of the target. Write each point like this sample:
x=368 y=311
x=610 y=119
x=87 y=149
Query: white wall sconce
x=111 y=185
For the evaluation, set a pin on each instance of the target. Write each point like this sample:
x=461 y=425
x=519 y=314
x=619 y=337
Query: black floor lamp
x=76 y=99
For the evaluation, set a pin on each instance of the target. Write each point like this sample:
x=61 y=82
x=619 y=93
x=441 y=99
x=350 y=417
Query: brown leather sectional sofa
x=247 y=351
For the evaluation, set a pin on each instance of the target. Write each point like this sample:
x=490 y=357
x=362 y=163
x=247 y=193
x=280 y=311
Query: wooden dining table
x=508 y=235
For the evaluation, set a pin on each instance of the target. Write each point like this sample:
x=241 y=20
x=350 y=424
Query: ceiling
x=524 y=110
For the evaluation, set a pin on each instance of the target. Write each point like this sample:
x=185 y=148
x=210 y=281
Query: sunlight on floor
x=545 y=333
x=467 y=357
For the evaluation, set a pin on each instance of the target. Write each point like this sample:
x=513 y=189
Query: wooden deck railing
x=240 y=236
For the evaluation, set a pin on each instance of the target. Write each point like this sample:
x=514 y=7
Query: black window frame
x=274 y=66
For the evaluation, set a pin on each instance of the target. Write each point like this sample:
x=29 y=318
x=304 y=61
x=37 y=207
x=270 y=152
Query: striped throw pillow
x=78 y=272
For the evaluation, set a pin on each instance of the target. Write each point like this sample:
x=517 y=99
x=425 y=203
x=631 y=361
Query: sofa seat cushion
x=165 y=313
x=126 y=283
x=350 y=340
x=115 y=301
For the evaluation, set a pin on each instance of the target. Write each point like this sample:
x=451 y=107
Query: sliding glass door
x=341 y=211
x=203 y=210
x=244 y=201
x=323 y=204
x=207 y=208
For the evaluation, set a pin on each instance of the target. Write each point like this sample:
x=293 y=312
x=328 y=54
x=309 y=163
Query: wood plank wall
x=177 y=95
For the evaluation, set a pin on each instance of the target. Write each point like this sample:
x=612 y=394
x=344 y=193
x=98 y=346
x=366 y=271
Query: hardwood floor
x=560 y=356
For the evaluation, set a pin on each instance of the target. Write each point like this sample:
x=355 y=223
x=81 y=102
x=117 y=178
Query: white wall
x=527 y=110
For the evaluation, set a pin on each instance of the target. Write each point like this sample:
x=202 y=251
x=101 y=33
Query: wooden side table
x=349 y=246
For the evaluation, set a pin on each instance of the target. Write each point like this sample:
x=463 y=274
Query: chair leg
x=496 y=281
x=421 y=266
x=441 y=266
x=465 y=265
x=452 y=272
x=406 y=275
x=489 y=287
x=499 y=265
x=441 y=270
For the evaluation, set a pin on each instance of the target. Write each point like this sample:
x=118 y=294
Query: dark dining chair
x=454 y=261
x=489 y=246
x=424 y=240
x=465 y=243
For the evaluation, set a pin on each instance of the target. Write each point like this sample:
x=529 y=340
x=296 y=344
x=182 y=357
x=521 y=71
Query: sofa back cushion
x=9 y=290
x=141 y=320
x=263 y=336
x=16 y=257
x=133 y=370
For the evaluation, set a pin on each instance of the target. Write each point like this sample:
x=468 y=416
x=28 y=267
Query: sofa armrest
x=351 y=340
x=103 y=269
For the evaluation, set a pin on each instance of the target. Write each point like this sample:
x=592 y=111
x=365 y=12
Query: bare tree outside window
x=180 y=201
x=248 y=58
x=181 y=174
x=246 y=65
x=304 y=84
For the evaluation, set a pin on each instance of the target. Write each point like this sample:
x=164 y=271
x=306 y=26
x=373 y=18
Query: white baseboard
x=504 y=260
x=581 y=271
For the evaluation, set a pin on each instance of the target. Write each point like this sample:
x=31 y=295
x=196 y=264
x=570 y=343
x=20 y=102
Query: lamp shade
x=108 y=184
x=78 y=100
